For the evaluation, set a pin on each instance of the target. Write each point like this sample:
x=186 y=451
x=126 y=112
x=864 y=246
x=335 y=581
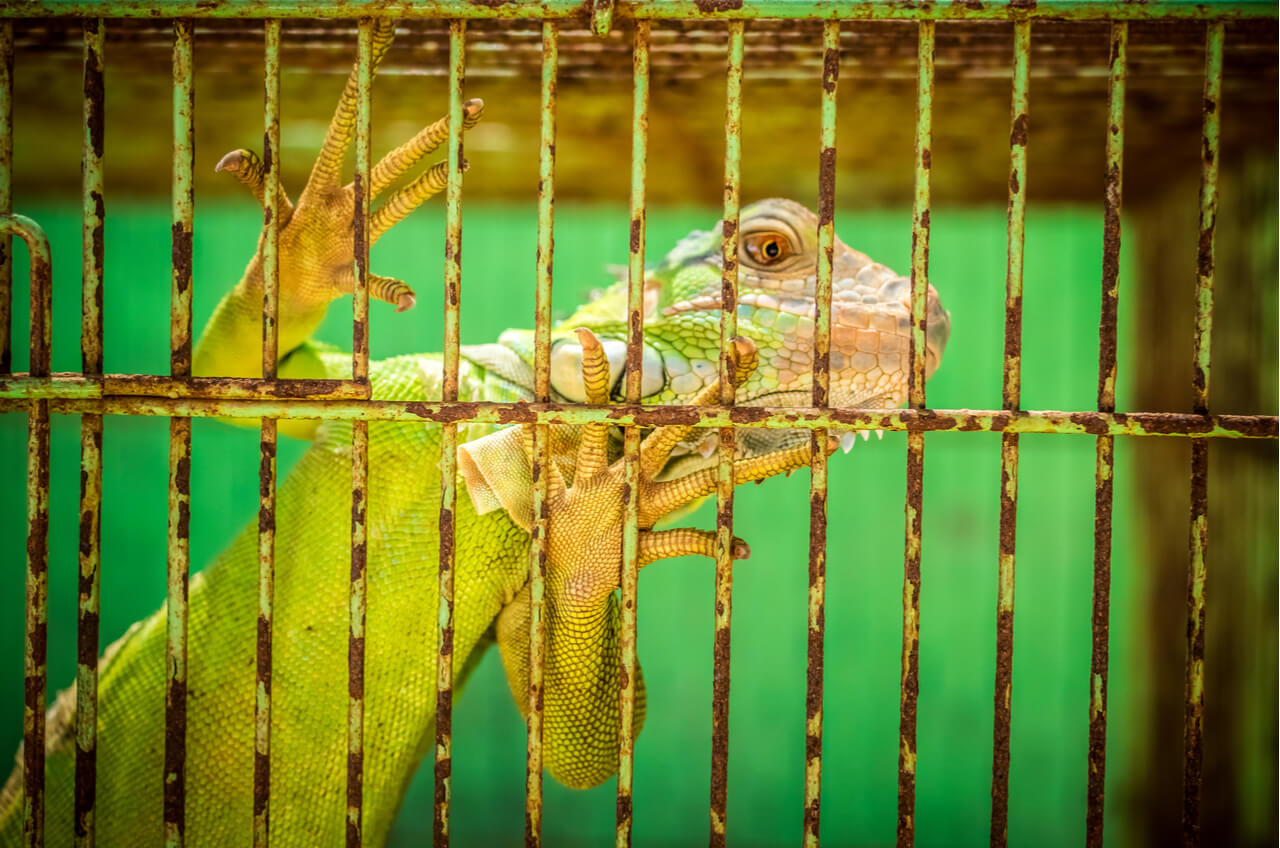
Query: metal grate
x=180 y=396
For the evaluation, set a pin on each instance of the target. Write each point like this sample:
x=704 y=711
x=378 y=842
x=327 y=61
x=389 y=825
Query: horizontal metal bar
x=1081 y=10
x=772 y=417
x=76 y=385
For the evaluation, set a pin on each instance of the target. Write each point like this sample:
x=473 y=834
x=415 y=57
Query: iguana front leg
x=317 y=253
x=584 y=543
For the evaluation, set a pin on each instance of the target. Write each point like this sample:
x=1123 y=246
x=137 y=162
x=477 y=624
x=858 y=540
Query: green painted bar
x=1104 y=473
x=35 y=646
x=267 y=442
x=816 y=631
x=910 y=681
x=1079 y=10
x=179 y=542
x=449 y=440
x=360 y=215
x=6 y=191
x=725 y=454
x=1161 y=424
x=920 y=210
x=358 y=585
x=1193 y=727
x=1012 y=393
x=601 y=17
x=356 y=611
x=35 y=641
x=544 y=262
x=92 y=247
x=629 y=576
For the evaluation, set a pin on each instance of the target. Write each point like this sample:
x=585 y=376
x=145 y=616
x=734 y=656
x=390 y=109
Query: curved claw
x=684 y=541
x=250 y=170
x=393 y=291
x=430 y=137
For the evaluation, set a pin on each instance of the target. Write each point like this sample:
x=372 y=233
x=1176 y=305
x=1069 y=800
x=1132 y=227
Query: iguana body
x=778 y=262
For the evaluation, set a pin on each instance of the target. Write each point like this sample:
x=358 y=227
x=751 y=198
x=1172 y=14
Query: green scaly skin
x=869 y=367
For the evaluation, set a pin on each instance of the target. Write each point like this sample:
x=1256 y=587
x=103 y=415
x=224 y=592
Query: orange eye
x=767 y=248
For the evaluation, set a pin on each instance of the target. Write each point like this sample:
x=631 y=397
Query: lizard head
x=777 y=281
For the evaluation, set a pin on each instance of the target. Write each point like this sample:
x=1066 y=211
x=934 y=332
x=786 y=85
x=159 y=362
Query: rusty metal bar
x=179 y=544
x=910 y=682
x=818 y=439
x=727 y=437
x=6 y=192
x=628 y=577
x=449 y=439
x=92 y=258
x=78 y=385
x=1077 y=10
x=543 y=263
x=1104 y=473
x=360 y=214
x=601 y=17
x=358 y=579
x=621 y=415
x=1012 y=394
x=267 y=443
x=1193 y=728
x=35 y=646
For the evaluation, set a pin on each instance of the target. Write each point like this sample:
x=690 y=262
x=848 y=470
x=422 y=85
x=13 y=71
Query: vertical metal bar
x=6 y=191
x=541 y=432
x=1105 y=448
x=359 y=445
x=910 y=680
x=35 y=647
x=1012 y=392
x=631 y=438
x=267 y=446
x=92 y=258
x=175 y=751
x=724 y=481
x=449 y=437
x=1193 y=731
x=818 y=439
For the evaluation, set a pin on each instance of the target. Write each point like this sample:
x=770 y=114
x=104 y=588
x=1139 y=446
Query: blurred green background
x=863 y=635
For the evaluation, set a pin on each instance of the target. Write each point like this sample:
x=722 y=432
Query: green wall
x=1051 y=659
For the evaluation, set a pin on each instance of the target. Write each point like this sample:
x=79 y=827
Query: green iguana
x=777 y=273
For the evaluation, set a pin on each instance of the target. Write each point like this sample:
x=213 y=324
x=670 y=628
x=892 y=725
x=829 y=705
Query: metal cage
x=180 y=396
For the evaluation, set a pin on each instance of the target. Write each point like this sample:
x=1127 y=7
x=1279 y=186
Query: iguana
x=778 y=263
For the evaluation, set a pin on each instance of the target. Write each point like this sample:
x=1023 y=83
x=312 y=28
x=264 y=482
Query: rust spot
x=86 y=782
x=973 y=5
x=1018 y=135
x=1204 y=251
x=1210 y=106
x=87 y=641
x=830 y=69
x=1025 y=5
x=1014 y=185
x=261 y=782
x=355 y=785
x=637 y=231
x=711 y=7
x=264 y=652
x=826 y=186
x=175 y=753
x=624 y=807
x=926 y=158
x=181 y=257
x=1000 y=755
x=86 y=539
x=355 y=667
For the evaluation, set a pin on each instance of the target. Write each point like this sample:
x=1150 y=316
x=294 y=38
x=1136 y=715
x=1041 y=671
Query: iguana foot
x=317 y=250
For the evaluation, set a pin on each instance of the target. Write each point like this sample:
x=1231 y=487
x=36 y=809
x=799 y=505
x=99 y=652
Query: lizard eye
x=767 y=248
